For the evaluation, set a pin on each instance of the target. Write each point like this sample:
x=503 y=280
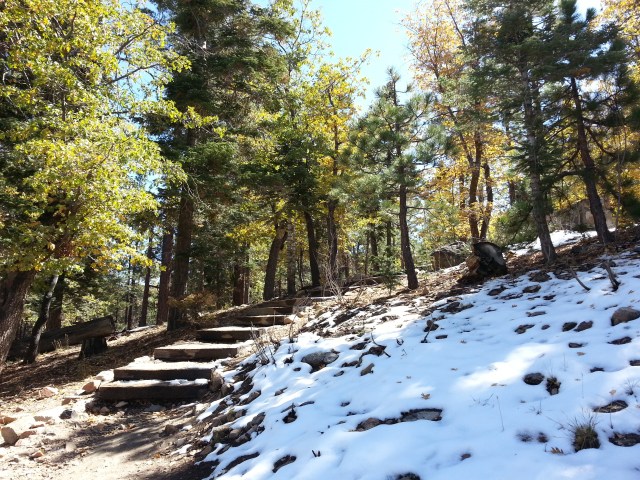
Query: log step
x=152 y=390
x=163 y=371
x=194 y=351
x=284 y=310
x=259 y=320
x=228 y=334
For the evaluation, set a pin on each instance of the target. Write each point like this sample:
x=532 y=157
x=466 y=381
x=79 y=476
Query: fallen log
x=76 y=334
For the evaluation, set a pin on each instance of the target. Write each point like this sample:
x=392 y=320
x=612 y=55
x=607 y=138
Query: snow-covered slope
x=372 y=413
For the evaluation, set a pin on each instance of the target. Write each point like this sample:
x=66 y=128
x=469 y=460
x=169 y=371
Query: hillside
x=384 y=400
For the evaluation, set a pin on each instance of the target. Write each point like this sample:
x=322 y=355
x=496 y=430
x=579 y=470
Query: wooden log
x=76 y=334
x=93 y=346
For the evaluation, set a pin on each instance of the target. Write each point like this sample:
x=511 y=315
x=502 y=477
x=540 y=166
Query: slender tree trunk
x=486 y=219
x=589 y=176
x=56 y=314
x=13 y=290
x=162 y=313
x=313 y=250
x=332 y=239
x=532 y=120
x=130 y=298
x=405 y=244
x=272 y=263
x=241 y=278
x=180 y=274
x=291 y=260
x=144 y=308
x=43 y=317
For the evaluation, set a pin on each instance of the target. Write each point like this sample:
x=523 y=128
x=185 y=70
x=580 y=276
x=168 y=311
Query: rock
x=625 y=439
x=575 y=345
x=47 y=392
x=553 y=386
x=634 y=363
x=91 y=386
x=65 y=414
x=540 y=277
x=368 y=424
x=531 y=289
x=367 y=370
x=19 y=428
x=569 y=326
x=430 y=414
x=441 y=337
x=319 y=360
x=537 y=313
x=523 y=328
x=596 y=369
x=455 y=307
x=584 y=326
x=69 y=447
x=155 y=408
x=545 y=326
x=624 y=315
x=533 y=378
x=216 y=382
x=621 y=341
x=171 y=429
x=105 y=411
x=612 y=407
x=121 y=404
x=286 y=460
x=494 y=292
x=6 y=419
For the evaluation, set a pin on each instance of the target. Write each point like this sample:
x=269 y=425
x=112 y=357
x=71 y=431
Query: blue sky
x=375 y=24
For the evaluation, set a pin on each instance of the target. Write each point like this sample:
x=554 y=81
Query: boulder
x=20 y=428
x=319 y=360
x=624 y=315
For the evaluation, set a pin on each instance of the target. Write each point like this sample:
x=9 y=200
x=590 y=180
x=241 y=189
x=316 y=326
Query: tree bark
x=43 y=317
x=130 y=298
x=56 y=313
x=313 y=250
x=13 y=290
x=589 y=176
x=532 y=121
x=291 y=260
x=272 y=263
x=180 y=274
x=241 y=279
x=162 y=313
x=405 y=244
x=144 y=308
x=332 y=239
x=486 y=219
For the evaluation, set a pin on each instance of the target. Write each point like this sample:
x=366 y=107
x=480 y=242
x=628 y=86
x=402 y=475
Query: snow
x=493 y=426
x=558 y=238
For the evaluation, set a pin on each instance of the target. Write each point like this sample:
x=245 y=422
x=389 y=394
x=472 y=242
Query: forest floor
x=79 y=437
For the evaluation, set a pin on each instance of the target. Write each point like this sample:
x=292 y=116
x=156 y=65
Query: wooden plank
x=259 y=320
x=284 y=310
x=151 y=390
x=228 y=334
x=194 y=351
x=163 y=371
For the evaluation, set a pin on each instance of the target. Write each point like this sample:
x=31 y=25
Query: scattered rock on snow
x=368 y=424
x=575 y=345
x=533 y=378
x=569 y=326
x=537 y=313
x=286 y=460
x=612 y=407
x=366 y=370
x=625 y=439
x=494 y=292
x=624 y=315
x=540 y=277
x=531 y=289
x=584 y=326
x=319 y=360
x=621 y=341
x=431 y=414
x=523 y=328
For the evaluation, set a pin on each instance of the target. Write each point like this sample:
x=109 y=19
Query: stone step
x=228 y=334
x=282 y=302
x=259 y=320
x=284 y=310
x=194 y=351
x=152 y=390
x=163 y=371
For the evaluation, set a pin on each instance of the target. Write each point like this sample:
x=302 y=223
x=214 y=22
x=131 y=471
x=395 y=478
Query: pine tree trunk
x=241 y=278
x=43 y=317
x=130 y=298
x=291 y=260
x=313 y=250
x=272 y=263
x=332 y=239
x=405 y=244
x=589 y=176
x=486 y=219
x=13 y=290
x=56 y=314
x=532 y=121
x=180 y=274
x=144 y=308
x=162 y=313
x=473 y=200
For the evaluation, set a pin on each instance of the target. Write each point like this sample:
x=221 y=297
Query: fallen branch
x=575 y=275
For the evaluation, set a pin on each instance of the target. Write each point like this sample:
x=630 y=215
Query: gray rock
x=533 y=378
x=584 y=326
x=624 y=315
x=319 y=360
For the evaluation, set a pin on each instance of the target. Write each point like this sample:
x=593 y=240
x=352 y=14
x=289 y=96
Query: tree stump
x=93 y=346
x=486 y=261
